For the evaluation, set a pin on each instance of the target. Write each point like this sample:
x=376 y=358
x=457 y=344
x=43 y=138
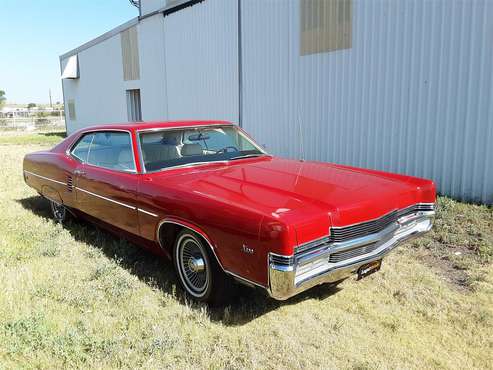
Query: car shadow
x=245 y=305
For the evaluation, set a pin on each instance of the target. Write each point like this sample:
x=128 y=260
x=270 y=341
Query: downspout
x=240 y=69
x=63 y=95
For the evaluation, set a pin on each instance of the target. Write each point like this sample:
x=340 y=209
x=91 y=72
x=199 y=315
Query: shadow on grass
x=246 y=305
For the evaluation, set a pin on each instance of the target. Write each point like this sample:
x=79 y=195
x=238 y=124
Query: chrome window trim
x=46 y=178
x=74 y=146
x=158 y=129
x=68 y=152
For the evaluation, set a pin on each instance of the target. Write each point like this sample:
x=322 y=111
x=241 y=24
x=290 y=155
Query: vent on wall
x=134 y=110
x=130 y=54
x=71 y=110
x=325 y=25
x=71 y=69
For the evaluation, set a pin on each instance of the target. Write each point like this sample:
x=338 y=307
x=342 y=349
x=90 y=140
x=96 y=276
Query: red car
x=208 y=197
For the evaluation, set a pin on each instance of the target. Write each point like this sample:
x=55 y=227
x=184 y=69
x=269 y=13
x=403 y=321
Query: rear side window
x=81 y=149
x=112 y=150
x=107 y=149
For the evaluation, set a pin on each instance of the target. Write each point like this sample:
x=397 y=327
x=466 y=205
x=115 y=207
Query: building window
x=134 y=110
x=130 y=54
x=326 y=25
x=71 y=110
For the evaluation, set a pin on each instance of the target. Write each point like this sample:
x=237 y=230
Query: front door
x=106 y=183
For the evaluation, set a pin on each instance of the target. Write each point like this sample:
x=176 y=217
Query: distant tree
x=2 y=98
x=31 y=105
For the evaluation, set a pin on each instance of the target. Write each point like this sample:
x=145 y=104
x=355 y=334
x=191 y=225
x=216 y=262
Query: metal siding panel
x=201 y=61
x=413 y=95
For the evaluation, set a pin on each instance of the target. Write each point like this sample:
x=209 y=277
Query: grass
x=23 y=138
x=76 y=296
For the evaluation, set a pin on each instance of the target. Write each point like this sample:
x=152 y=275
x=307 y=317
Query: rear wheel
x=59 y=211
x=198 y=271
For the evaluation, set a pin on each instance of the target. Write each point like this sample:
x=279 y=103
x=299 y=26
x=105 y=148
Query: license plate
x=369 y=269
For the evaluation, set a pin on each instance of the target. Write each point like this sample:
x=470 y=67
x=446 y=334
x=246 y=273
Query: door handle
x=79 y=172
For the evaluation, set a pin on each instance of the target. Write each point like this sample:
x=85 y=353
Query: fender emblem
x=246 y=249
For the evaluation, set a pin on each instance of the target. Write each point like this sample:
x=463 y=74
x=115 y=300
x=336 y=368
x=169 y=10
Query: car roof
x=136 y=126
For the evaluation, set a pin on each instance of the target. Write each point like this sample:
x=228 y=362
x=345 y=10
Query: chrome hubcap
x=196 y=264
x=192 y=265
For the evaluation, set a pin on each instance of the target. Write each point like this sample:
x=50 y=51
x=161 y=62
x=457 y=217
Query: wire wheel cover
x=192 y=264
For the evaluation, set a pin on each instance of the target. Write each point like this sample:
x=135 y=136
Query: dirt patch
x=461 y=240
x=449 y=267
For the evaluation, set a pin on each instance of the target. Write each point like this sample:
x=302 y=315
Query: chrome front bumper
x=290 y=275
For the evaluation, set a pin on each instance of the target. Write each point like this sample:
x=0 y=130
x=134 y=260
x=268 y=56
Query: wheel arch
x=169 y=228
x=51 y=193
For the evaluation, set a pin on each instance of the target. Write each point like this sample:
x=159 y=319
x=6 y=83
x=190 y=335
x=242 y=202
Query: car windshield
x=185 y=147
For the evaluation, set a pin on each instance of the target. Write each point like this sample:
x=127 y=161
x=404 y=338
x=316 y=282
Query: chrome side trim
x=245 y=281
x=236 y=276
x=105 y=198
x=147 y=212
x=45 y=178
x=93 y=194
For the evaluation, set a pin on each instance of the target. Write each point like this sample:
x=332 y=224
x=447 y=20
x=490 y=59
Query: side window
x=81 y=149
x=112 y=150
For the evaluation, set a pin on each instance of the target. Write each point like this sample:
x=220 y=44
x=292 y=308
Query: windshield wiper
x=247 y=156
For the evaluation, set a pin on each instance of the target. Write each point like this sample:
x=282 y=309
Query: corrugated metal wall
x=413 y=95
x=201 y=61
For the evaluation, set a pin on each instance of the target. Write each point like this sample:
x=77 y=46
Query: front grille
x=345 y=233
x=340 y=234
x=417 y=208
x=355 y=252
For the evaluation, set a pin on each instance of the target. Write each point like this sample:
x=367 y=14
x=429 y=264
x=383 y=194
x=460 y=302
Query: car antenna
x=302 y=149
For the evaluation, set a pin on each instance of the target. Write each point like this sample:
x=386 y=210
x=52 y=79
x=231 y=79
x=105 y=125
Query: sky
x=34 y=33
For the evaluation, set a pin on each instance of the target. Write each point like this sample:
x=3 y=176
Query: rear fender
x=51 y=194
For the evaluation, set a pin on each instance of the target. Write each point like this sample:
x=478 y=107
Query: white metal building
x=397 y=85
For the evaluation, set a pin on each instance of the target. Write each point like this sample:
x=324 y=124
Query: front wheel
x=198 y=272
x=59 y=211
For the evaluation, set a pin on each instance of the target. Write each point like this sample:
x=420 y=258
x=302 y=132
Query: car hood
x=302 y=193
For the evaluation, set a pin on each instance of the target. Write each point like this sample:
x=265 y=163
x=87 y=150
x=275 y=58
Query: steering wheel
x=226 y=149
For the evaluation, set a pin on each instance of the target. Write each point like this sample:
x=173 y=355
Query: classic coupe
x=205 y=195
